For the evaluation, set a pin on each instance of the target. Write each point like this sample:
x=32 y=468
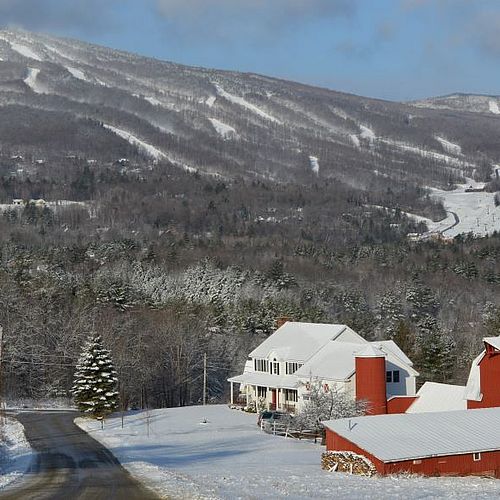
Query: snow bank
x=15 y=452
x=77 y=73
x=245 y=104
x=214 y=452
x=25 y=51
x=31 y=80
x=314 y=164
x=449 y=147
x=146 y=148
x=224 y=130
x=493 y=106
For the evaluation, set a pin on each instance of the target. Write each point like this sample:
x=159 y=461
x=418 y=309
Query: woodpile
x=347 y=461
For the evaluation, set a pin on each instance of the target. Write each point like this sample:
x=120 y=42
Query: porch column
x=232 y=394
x=248 y=396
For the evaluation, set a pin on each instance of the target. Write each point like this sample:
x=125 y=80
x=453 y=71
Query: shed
x=465 y=442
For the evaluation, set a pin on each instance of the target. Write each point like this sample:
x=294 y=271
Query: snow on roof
x=473 y=387
x=493 y=341
x=392 y=438
x=266 y=380
x=335 y=361
x=390 y=345
x=370 y=351
x=297 y=341
x=434 y=397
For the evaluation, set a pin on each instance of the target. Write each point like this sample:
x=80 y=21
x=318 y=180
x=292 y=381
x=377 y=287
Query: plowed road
x=70 y=464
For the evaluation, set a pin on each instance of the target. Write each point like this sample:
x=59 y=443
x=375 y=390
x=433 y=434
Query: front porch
x=264 y=397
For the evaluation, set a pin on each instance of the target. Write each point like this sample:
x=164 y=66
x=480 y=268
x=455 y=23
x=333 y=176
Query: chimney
x=371 y=379
x=281 y=321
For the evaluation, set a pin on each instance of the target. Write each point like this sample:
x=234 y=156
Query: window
x=392 y=376
x=388 y=376
x=261 y=392
x=476 y=457
x=291 y=368
x=261 y=365
x=417 y=462
x=291 y=395
x=275 y=367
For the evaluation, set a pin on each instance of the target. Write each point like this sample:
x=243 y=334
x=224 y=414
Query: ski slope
x=214 y=452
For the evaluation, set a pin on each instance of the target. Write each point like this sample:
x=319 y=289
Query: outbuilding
x=465 y=442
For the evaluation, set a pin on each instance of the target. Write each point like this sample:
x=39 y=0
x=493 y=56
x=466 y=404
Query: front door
x=273 y=399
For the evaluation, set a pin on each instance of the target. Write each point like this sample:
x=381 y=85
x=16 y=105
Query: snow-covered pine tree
x=95 y=381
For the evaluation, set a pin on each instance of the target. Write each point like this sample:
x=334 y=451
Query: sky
x=390 y=49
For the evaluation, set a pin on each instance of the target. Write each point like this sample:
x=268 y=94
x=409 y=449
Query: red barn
x=460 y=443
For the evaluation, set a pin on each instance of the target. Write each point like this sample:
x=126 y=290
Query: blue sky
x=392 y=49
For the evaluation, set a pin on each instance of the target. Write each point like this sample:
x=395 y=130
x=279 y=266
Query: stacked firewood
x=347 y=461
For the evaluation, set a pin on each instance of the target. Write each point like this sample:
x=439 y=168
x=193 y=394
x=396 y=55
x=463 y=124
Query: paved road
x=70 y=464
x=457 y=221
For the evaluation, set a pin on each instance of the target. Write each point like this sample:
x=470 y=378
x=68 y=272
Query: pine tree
x=95 y=381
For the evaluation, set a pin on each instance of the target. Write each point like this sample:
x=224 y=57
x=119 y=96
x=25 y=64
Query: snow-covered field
x=15 y=452
x=476 y=211
x=213 y=452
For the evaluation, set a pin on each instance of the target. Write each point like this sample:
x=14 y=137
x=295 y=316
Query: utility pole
x=1 y=376
x=204 y=379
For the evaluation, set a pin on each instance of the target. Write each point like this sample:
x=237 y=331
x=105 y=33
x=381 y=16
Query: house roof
x=390 y=345
x=297 y=341
x=434 y=397
x=266 y=380
x=493 y=341
x=393 y=438
x=336 y=360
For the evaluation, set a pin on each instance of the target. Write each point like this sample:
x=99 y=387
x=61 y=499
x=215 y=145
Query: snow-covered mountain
x=463 y=102
x=64 y=96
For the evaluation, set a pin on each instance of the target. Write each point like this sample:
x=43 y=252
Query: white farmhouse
x=278 y=372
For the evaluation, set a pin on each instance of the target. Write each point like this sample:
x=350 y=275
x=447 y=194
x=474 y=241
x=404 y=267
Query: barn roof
x=439 y=397
x=493 y=341
x=393 y=438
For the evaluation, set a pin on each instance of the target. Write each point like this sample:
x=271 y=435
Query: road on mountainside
x=457 y=221
x=70 y=465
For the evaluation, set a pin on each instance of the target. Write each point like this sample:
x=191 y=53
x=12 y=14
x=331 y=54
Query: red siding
x=399 y=404
x=489 y=368
x=371 y=384
x=454 y=465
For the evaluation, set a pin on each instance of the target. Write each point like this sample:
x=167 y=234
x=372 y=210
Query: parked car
x=268 y=418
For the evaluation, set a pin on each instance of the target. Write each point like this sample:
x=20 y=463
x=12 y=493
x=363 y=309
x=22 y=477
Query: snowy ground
x=15 y=452
x=228 y=457
x=476 y=211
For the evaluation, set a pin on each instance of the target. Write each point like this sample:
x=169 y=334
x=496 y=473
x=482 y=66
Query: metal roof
x=393 y=438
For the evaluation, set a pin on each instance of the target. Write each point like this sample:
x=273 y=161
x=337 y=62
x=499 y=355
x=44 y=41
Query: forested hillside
x=179 y=211
x=168 y=265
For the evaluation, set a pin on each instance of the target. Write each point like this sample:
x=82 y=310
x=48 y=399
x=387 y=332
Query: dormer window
x=275 y=367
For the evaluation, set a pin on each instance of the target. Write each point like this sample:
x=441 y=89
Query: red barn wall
x=489 y=368
x=400 y=404
x=452 y=465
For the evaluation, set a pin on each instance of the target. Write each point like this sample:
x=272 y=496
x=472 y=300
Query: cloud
x=228 y=18
x=79 y=15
